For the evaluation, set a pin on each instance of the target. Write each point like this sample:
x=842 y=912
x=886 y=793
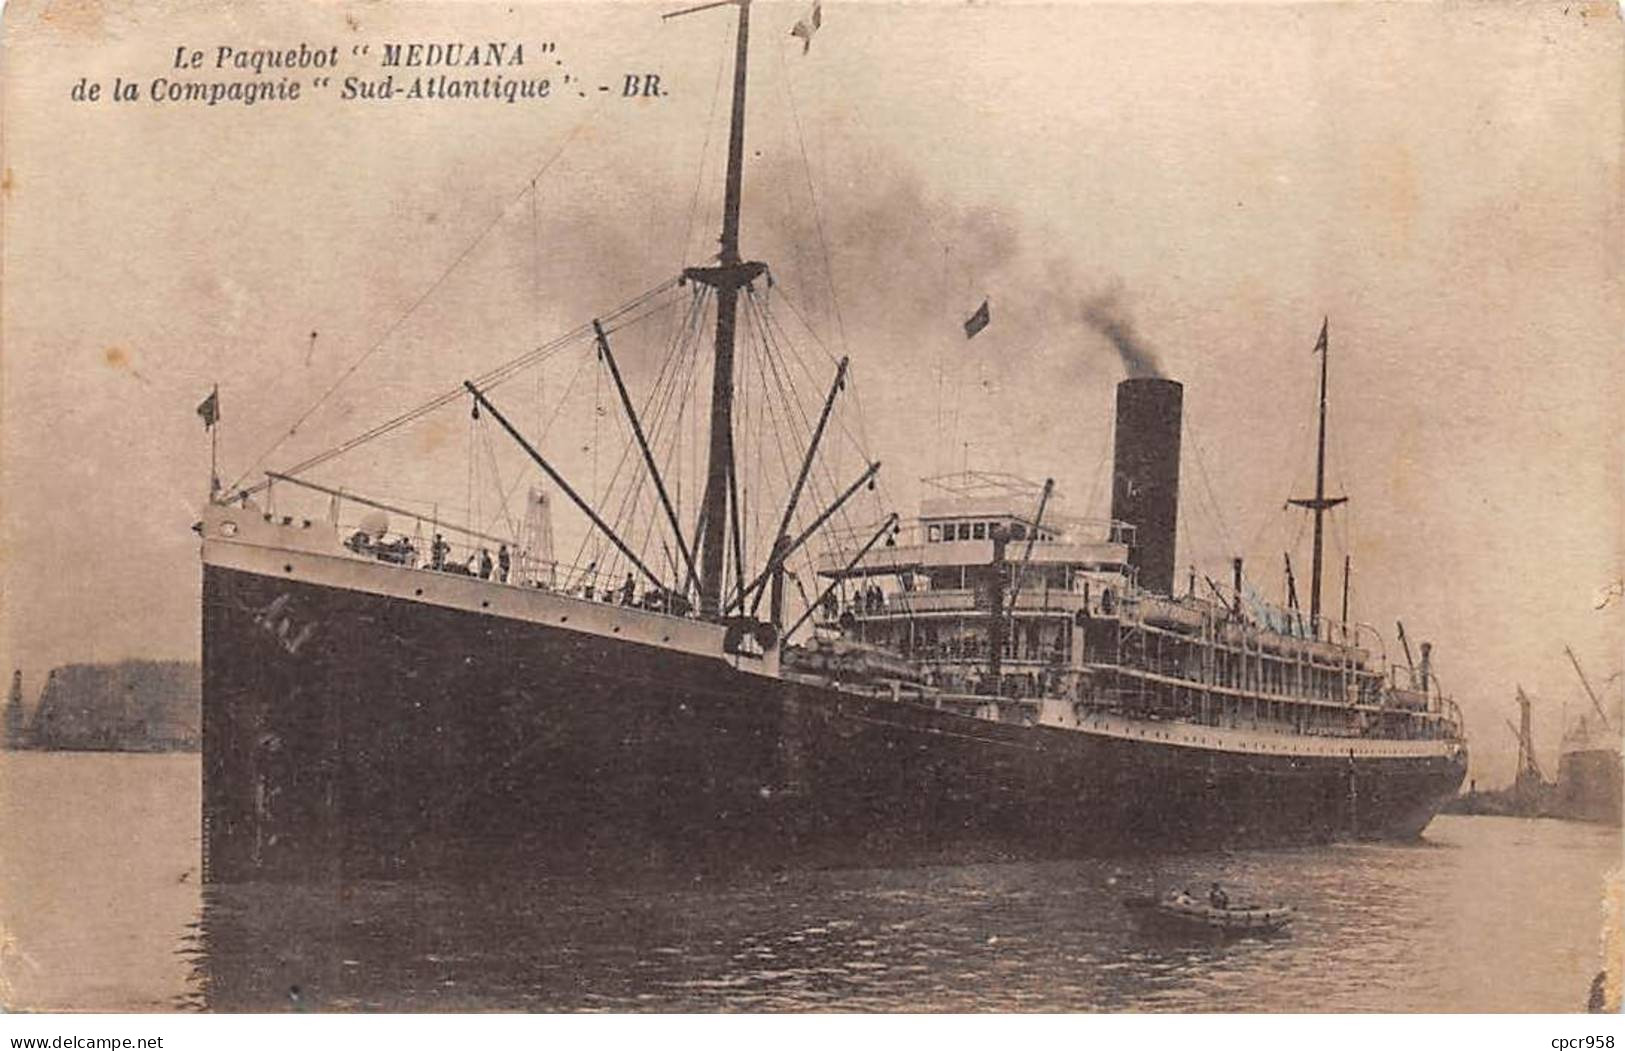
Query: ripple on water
x=1446 y=925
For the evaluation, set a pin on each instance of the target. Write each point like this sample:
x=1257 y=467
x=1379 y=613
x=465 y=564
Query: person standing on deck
x=504 y=563
x=485 y=564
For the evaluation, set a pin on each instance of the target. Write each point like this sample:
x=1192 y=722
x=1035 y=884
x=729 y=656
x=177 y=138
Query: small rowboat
x=1184 y=912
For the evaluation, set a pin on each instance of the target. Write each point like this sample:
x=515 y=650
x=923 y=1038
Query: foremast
x=730 y=274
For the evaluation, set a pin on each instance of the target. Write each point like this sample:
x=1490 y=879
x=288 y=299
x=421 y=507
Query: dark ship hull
x=353 y=732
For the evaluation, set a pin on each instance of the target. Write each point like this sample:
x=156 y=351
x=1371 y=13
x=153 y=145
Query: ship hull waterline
x=355 y=734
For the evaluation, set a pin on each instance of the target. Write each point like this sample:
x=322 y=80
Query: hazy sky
x=1443 y=181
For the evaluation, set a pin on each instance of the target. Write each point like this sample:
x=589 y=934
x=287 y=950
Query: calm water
x=101 y=908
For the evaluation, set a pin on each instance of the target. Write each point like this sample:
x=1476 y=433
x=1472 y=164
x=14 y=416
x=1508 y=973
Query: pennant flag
x=1320 y=344
x=808 y=26
x=977 y=321
x=210 y=409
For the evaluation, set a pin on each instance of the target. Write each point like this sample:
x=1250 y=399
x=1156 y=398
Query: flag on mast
x=806 y=27
x=1320 y=344
x=210 y=409
x=977 y=321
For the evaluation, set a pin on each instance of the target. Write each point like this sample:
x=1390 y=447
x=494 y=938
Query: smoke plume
x=1104 y=313
x=921 y=264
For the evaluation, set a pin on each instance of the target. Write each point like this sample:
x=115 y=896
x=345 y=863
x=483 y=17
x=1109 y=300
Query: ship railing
x=1432 y=693
x=842 y=543
x=1060 y=600
x=484 y=561
x=593 y=584
x=1258 y=612
x=951 y=653
x=1452 y=716
x=1385 y=718
x=911 y=602
x=434 y=544
x=964 y=601
x=1334 y=649
x=1028 y=687
x=1235 y=711
x=845 y=541
x=363 y=523
x=852 y=537
x=1361 y=629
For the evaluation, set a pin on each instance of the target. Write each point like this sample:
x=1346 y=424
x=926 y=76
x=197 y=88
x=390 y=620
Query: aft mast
x=727 y=277
x=1320 y=504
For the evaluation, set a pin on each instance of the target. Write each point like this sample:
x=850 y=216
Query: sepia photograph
x=812 y=506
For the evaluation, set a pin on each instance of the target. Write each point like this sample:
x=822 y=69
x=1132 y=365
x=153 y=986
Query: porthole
x=287 y=568
x=418 y=592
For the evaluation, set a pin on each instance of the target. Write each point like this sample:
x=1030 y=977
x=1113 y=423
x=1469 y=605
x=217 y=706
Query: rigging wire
x=763 y=332
x=785 y=380
x=672 y=378
x=658 y=441
x=598 y=397
x=669 y=438
x=778 y=430
x=544 y=427
x=468 y=497
x=487 y=381
x=423 y=297
x=881 y=485
x=1214 y=506
x=928 y=226
x=812 y=195
x=617 y=520
x=1100 y=473
x=806 y=554
x=529 y=186
x=705 y=149
x=845 y=526
x=627 y=508
x=1343 y=524
x=503 y=492
x=829 y=272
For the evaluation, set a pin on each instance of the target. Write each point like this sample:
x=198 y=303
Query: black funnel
x=1145 y=475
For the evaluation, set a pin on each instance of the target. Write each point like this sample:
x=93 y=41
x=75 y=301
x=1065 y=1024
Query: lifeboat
x=850 y=661
x=1177 y=910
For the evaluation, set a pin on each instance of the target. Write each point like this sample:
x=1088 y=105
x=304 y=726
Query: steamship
x=994 y=679
x=1589 y=773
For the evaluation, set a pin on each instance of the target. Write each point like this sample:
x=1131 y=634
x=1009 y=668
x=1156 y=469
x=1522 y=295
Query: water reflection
x=99 y=895
x=1380 y=930
x=989 y=937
